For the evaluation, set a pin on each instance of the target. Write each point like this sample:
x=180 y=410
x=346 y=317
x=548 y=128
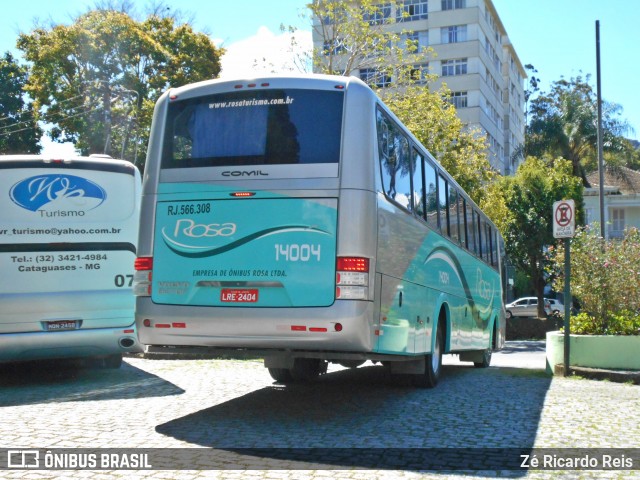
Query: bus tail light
x=352 y=278
x=142 y=276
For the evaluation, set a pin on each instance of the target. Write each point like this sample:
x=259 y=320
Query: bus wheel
x=351 y=363
x=281 y=375
x=305 y=369
x=433 y=364
x=112 y=361
x=486 y=359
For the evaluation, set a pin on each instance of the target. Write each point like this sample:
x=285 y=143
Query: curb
x=618 y=376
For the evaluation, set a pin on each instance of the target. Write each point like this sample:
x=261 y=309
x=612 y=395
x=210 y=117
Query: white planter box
x=620 y=352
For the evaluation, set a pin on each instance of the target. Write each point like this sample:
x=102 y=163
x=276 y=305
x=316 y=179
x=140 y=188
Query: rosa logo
x=58 y=190
x=196 y=230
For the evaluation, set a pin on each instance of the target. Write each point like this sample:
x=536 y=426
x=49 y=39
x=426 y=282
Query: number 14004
x=294 y=252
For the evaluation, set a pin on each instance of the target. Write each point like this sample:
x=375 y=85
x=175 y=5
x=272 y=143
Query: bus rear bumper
x=98 y=342
x=346 y=325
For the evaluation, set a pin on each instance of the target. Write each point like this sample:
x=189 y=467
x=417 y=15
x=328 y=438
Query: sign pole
x=564 y=226
x=567 y=303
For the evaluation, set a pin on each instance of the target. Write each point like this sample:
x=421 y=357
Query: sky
x=557 y=37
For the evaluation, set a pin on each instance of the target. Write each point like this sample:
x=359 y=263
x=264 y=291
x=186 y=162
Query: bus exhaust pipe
x=126 y=342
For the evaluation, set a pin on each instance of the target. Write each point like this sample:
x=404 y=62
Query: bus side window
x=419 y=203
x=395 y=161
x=431 y=194
x=471 y=237
x=454 y=229
x=443 y=210
x=477 y=229
x=462 y=220
x=484 y=240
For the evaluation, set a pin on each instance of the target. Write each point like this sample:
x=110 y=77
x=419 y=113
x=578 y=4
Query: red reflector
x=251 y=85
x=143 y=263
x=128 y=331
x=237 y=86
x=338 y=327
x=173 y=97
x=339 y=87
x=163 y=325
x=317 y=329
x=242 y=194
x=146 y=322
x=179 y=325
x=298 y=328
x=264 y=84
x=352 y=264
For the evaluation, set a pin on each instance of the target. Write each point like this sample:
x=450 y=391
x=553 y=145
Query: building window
x=617 y=222
x=453 y=4
x=378 y=15
x=420 y=73
x=589 y=216
x=454 y=67
x=416 y=41
x=334 y=47
x=459 y=99
x=455 y=34
x=412 y=10
x=373 y=77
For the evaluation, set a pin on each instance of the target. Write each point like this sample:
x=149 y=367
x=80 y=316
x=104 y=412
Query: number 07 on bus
x=297 y=218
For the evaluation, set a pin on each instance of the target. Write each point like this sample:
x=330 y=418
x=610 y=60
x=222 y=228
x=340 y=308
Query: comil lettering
x=244 y=173
x=188 y=227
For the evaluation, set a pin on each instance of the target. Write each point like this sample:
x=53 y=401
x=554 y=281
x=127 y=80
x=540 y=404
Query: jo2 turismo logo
x=57 y=191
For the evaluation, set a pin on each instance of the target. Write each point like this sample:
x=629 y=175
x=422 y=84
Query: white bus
x=298 y=218
x=68 y=234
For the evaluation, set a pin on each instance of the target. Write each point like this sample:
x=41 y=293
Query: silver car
x=556 y=306
x=526 y=307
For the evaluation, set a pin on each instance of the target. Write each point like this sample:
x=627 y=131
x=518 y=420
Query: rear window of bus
x=257 y=127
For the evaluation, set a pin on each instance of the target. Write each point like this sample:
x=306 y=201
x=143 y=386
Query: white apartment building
x=476 y=60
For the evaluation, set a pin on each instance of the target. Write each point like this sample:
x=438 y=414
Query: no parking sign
x=564 y=219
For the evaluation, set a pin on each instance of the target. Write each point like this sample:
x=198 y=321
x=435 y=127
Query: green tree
x=521 y=206
x=564 y=123
x=19 y=131
x=433 y=120
x=366 y=36
x=97 y=80
x=356 y=36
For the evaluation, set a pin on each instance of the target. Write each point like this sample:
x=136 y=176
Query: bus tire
x=486 y=359
x=351 y=363
x=433 y=363
x=112 y=361
x=305 y=369
x=281 y=375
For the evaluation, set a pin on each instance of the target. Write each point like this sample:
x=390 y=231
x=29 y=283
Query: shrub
x=624 y=323
x=604 y=279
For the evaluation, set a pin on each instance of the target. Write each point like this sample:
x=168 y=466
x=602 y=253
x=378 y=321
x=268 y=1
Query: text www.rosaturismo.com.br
x=252 y=102
x=60 y=231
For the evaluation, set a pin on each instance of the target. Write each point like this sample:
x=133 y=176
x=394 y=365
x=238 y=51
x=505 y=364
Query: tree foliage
x=522 y=205
x=356 y=36
x=367 y=36
x=19 y=131
x=564 y=123
x=433 y=120
x=604 y=278
x=97 y=79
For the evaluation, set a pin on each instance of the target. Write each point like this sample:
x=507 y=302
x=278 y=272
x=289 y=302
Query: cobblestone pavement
x=232 y=405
